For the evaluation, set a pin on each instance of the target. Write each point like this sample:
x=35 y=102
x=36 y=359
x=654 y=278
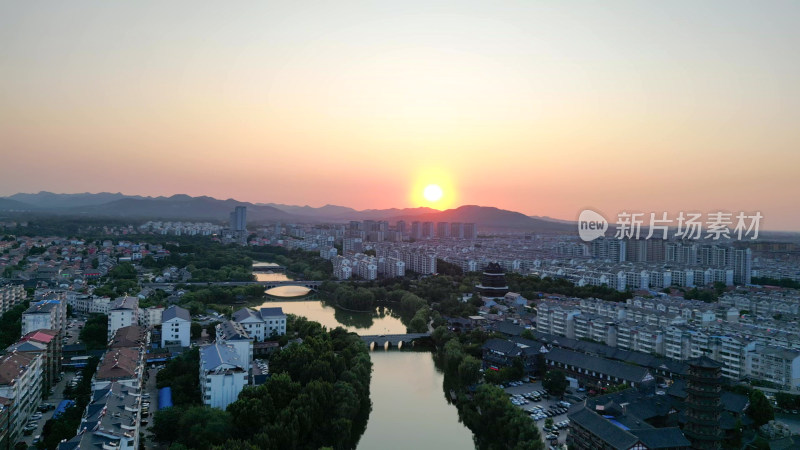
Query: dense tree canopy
x=95 y=332
x=555 y=382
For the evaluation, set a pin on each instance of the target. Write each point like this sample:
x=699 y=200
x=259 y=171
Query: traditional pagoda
x=493 y=284
x=703 y=405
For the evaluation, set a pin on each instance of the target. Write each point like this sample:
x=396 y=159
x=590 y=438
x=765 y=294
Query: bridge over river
x=392 y=340
x=311 y=284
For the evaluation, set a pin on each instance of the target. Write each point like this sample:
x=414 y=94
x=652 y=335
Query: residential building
x=48 y=344
x=122 y=313
x=263 y=323
x=45 y=314
x=122 y=365
x=175 y=326
x=222 y=375
x=21 y=382
x=150 y=317
x=11 y=295
x=110 y=422
x=234 y=334
x=238 y=219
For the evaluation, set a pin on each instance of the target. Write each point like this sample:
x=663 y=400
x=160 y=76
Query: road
x=55 y=399
x=150 y=388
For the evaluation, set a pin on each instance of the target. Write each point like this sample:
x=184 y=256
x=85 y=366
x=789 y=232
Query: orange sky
x=540 y=107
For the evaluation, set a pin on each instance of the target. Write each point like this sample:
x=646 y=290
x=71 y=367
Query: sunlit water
x=409 y=410
x=361 y=323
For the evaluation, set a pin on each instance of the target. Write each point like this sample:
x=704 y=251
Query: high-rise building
x=457 y=230
x=416 y=230
x=401 y=226
x=470 y=231
x=443 y=229
x=742 y=266
x=428 y=230
x=238 y=219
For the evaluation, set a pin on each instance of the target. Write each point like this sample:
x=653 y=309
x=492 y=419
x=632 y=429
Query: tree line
x=317 y=396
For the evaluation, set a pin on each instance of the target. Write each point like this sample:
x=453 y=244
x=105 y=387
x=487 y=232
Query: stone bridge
x=392 y=340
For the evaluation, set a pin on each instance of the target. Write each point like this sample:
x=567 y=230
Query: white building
x=150 y=317
x=46 y=314
x=176 y=324
x=263 y=323
x=21 y=382
x=122 y=313
x=234 y=334
x=222 y=375
x=10 y=296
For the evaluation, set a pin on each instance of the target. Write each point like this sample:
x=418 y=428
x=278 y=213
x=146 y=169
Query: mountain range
x=185 y=207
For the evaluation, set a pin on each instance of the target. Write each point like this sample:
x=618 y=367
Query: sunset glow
x=536 y=107
x=432 y=193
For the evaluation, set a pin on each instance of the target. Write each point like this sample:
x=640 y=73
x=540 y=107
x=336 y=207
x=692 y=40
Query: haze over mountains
x=185 y=207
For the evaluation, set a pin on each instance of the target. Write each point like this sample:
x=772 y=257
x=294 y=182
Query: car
x=551 y=437
x=37 y=439
x=145 y=395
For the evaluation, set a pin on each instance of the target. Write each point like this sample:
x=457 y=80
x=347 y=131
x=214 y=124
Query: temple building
x=493 y=284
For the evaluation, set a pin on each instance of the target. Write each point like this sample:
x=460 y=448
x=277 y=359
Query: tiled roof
x=119 y=363
x=626 y=372
x=11 y=366
x=213 y=356
x=271 y=312
x=130 y=336
x=175 y=311
x=42 y=335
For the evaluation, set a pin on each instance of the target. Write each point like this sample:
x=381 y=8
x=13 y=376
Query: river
x=409 y=409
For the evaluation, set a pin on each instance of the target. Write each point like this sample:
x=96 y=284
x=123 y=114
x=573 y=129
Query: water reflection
x=407 y=406
x=362 y=323
x=288 y=291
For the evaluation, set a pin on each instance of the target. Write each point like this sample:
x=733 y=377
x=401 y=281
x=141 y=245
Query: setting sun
x=432 y=193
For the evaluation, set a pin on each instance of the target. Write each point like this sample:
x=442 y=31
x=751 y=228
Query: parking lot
x=524 y=395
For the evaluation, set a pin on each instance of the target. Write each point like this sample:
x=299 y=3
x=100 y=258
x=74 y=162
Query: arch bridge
x=313 y=285
x=388 y=341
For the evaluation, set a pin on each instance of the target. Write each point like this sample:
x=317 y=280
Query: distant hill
x=7 y=204
x=322 y=211
x=185 y=207
x=46 y=199
x=488 y=216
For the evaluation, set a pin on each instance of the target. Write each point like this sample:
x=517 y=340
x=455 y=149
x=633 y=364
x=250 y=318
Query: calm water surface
x=381 y=322
x=409 y=409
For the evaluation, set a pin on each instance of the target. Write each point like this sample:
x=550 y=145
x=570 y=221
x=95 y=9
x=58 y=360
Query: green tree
x=555 y=382
x=94 y=333
x=759 y=410
x=196 y=330
x=469 y=371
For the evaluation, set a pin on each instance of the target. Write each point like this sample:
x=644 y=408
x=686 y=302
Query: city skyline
x=539 y=108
